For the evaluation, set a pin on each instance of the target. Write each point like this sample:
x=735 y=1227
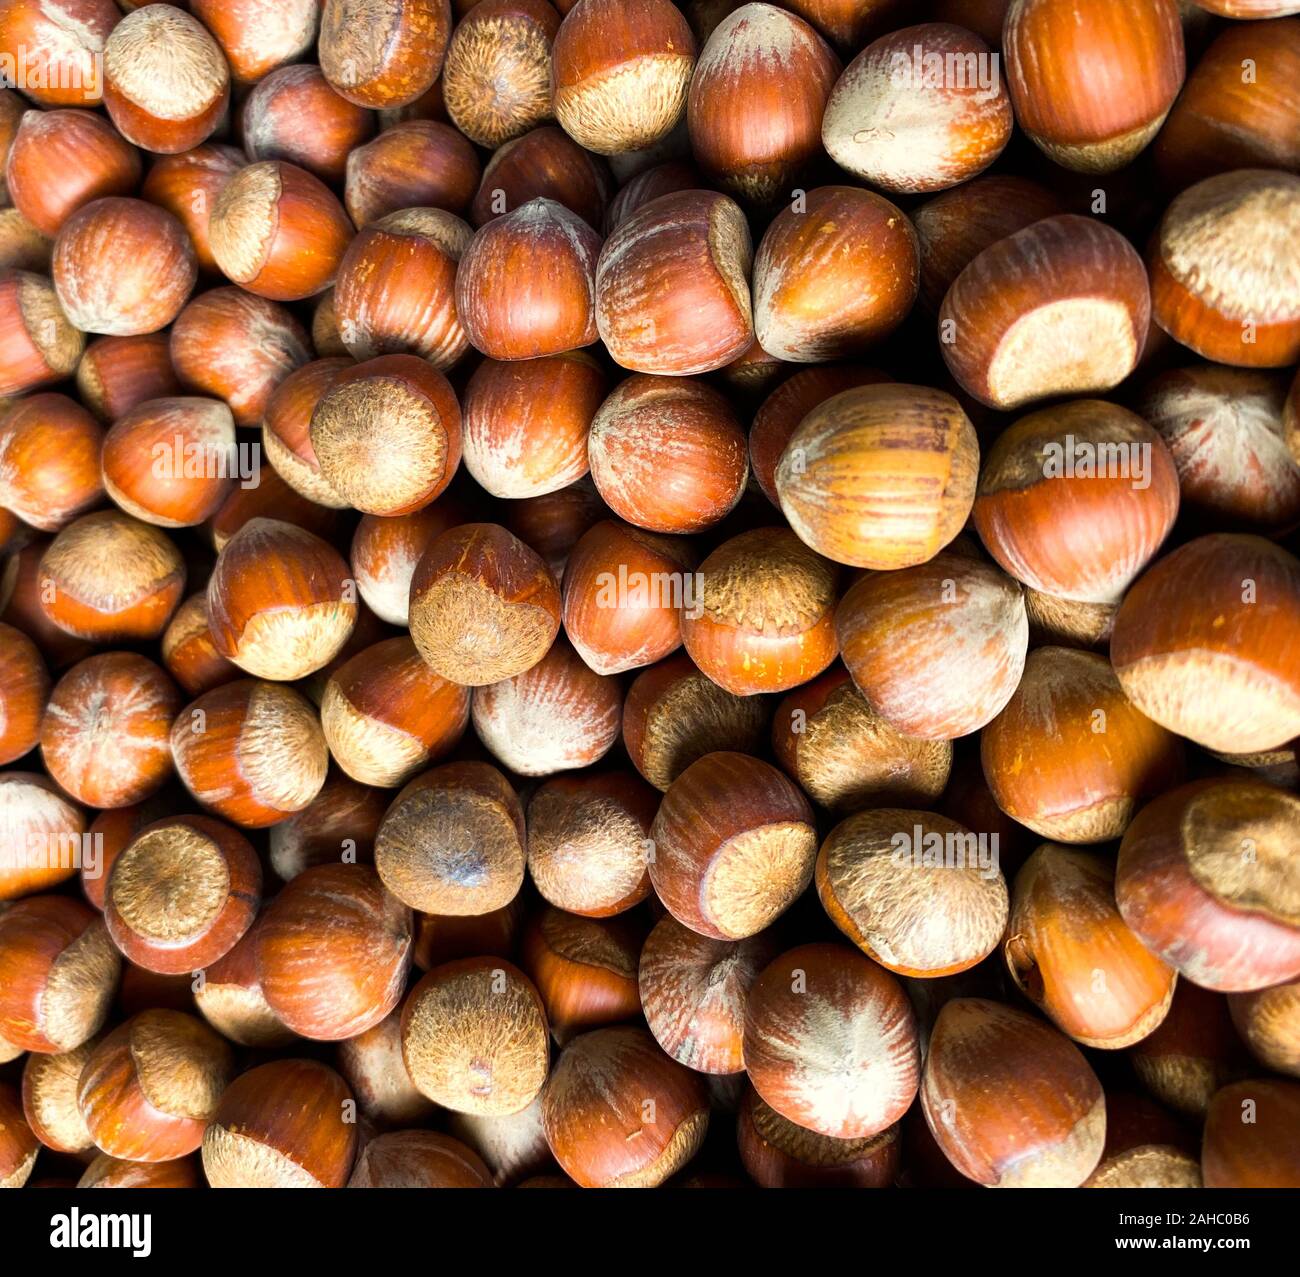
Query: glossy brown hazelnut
x=661 y=179
x=554 y=716
x=1220 y=265
x=22 y=585
x=182 y=894
x=1224 y=429
x=1268 y=1021
x=338 y=825
x=667 y=454
x=113 y=1172
x=728 y=870
x=24 y=690
x=672 y=285
x=1076 y=500
x=419 y=1159
x=43 y=831
x=484 y=607
x=282 y=1125
x=50 y=449
x=623 y=591
x=133 y=604
x=895 y=123
x=622 y=69
x=280 y=601
x=38 y=343
x=171 y=462
x=332 y=951
x=1206 y=879
x=1096 y=757
x=1202 y=643
x=526 y=282
x=937 y=649
x=117 y=374
x=585 y=969
x=846 y=756
x=278 y=231
x=1239 y=108
x=386 y=434
x=189 y=651
x=444 y=938
x=1091 y=124
x=1061 y=307
x=59 y=972
x=917 y=892
x=674 y=715
x=810 y=1053
x=1011 y=1101
x=474 y=1037
x=49 y=1092
x=386 y=57
x=187 y=185
x=453 y=841
x=18 y=1145
x=955 y=227
x=1252 y=1136
x=756 y=101
x=372 y=1065
x=257 y=38
x=868 y=480
x=166 y=81
x=251 y=751
x=588 y=842
x=834 y=273
x=104 y=736
x=496 y=80
x=1071 y=953
x=123 y=267
x=386 y=550
x=151 y=1086
x=62 y=45
x=286 y=428
x=386 y=715
x=618 y=1113
x=545 y=163
x=764 y=619
x=693 y=991
x=396 y=290
x=785 y=407
x=61 y=160
x=527 y=422
x=230 y=997
x=238 y=347
x=416 y=164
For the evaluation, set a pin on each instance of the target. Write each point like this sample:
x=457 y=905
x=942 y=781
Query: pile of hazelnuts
x=617 y=593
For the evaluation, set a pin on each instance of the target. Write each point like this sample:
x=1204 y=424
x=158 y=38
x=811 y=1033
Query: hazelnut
x=62 y=46
x=418 y=1159
x=386 y=551
x=256 y=39
x=50 y=453
x=286 y=429
x=24 y=690
x=383 y=57
x=38 y=343
x=187 y=185
x=416 y=164
x=545 y=163
x=117 y=374
x=189 y=651
x=338 y=825
x=372 y=1064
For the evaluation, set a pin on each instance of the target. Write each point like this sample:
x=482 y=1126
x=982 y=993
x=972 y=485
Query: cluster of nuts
x=610 y=594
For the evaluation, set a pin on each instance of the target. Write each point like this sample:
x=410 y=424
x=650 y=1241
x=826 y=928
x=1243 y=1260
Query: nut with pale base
x=830 y=1042
x=1010 y=1100
x=49 y=1094
x=281 y=603
x=484 y=607
x=187 y=185
x=182 y=894
x=1071 y=953
x=150 y=1087
x=1062 y=307
x=58 y=974
x=1207 y=878
x=372 y=1064
x=113 y=1172
x=230 y=998
x=38 y=343
x=880 y=476
x=386 y=549
x=1145 y=1147
x=453 y=841
x=618 y=1113
x=1096 y=757
x=281 y=1125
x=383 y=55
x=1268 y=1021
x=35 y=812
x=332 y=952
x=61 y=46
x=256 y=37
x=418 y=1159
x=286 y=429
x=913 y=890
x=474 y=1037
x=18 y=1145
x=252 y=751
